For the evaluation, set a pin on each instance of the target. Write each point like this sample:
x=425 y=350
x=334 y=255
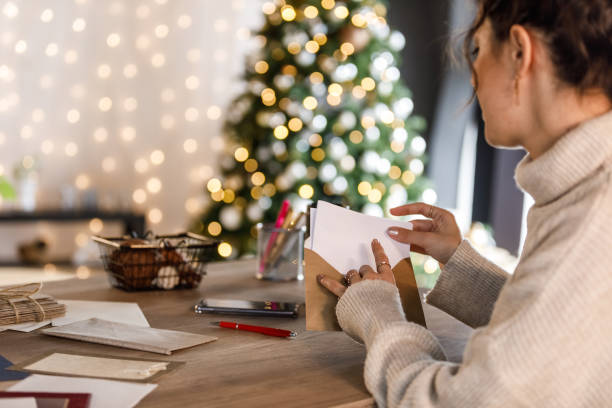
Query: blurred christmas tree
x=325 y=116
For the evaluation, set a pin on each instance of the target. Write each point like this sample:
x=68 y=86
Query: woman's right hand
x=438 y=237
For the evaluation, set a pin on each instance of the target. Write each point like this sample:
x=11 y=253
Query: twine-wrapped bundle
x=18 y=306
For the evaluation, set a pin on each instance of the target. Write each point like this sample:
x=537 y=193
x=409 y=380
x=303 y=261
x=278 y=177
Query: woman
x=542 y=73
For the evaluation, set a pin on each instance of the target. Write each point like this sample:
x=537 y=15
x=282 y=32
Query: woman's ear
x=521 y=48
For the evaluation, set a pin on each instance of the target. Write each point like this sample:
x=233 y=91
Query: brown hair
x=578 y=34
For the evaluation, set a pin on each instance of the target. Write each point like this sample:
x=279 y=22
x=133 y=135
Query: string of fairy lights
x=120 y=95
x=298 y=125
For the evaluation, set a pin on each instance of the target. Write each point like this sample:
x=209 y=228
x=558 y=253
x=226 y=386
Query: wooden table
x=240 y=369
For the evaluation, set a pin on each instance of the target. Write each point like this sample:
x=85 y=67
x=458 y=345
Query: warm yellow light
x=190 y=146
x=359 y=20
x=358 y=92
x=320 y=39
x=289 y=70
x=356 y=137
x=71 y=56
x=268 y=7
x=310 y=102
x=261 y=67
x=281 y=132
x=155 y=215
x=368 y=84
x=161 y=31
x=347 y=48
x=268 y=97
x=367 y=121
x=333 y=100
x=105 y=104
x=341 y=12
x=311 y=12
x=397 y=147
x=328 y=4
x=295 y=124
x=315 y=140
x=157 y=157
x=256 y=192
x=241 y=154
x=217 y=195
x=184 y=21
x=294 y=48
x=192 y=82
x=214 y=228
x=269 y=189
x=113 y=40
x=374 y=196
x=213 y=112
x=250 y=165
x=288 y=13
x=78 y=25
x=96 y=225
x=154 y=185
x=318 y=154
x=311 y=46
x=316 y=77
x=73 y=116
x=335 y=89
x=139 y=196
x=82 y=181
x=408 y=177
x=395 y=172
x=306 y=191
x=46 y=147
x=258 y=178
x=213 y=185
x=364 y=188
x=104 y=71
x=224 y=249
x=228 y=196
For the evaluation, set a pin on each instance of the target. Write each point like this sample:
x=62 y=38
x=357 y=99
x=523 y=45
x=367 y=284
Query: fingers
x=353 y=277
x=426 y=210
x=333 y=286
x=366 y=271
x=380 y=257
x=406 y=236
x=422 y=225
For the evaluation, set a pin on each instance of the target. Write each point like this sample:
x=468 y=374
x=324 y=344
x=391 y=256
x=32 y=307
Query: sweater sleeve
x=468 y=287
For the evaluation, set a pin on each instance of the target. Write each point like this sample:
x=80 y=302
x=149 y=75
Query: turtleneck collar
x=573 y=158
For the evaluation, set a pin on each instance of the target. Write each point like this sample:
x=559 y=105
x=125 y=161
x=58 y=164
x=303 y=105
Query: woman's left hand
x=383 y=272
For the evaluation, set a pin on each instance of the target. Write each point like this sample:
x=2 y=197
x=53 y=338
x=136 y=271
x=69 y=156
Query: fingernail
x=392 y=232
x=319 y=277
x=375 y=241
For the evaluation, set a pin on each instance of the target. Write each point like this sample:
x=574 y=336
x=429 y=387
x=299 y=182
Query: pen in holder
x=280 y=252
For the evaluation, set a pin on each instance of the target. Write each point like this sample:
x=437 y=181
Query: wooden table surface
x=240 y=369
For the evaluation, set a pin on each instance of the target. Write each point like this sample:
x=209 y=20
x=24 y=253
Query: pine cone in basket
x=185 y=274
x=135 y=268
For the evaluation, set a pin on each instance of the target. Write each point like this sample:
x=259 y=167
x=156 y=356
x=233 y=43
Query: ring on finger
x=381 y=263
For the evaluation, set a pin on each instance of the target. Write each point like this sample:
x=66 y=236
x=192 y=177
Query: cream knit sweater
x=544 y=336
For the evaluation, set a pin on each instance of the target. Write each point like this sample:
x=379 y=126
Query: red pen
x=268 y=331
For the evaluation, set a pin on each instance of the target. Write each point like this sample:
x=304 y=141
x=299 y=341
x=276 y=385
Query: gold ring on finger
x=381 y=263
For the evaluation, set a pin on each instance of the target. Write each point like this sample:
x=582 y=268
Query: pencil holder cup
x=280 y=253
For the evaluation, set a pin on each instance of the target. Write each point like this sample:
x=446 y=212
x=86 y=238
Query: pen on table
x=268 y=331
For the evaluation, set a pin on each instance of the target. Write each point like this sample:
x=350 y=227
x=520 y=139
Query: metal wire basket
x=156 y=262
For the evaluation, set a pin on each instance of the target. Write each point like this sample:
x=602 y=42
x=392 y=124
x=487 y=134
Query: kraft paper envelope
x=321 y=303
x=341 y=240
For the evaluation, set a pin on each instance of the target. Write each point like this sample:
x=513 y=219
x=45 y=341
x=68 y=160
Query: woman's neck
x=562 y=113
